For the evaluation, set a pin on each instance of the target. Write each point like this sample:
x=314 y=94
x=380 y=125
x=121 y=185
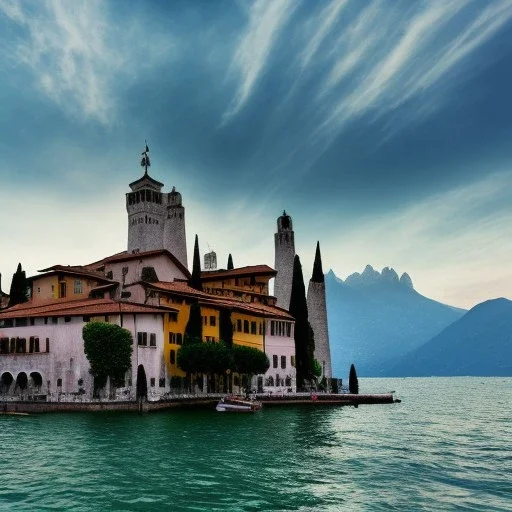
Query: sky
x=383 y=128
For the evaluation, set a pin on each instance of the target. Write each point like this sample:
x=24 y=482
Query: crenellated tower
x=317 y=312
x=284 y=254
x=156 y=220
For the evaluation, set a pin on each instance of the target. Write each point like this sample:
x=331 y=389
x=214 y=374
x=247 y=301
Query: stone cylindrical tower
x=284 y=254
x=317 y=312
x=174 y=236
x=145 y=208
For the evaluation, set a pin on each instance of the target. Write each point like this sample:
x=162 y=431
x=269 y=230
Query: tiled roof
x=181 y=288
x=126 y=256
x=252 y=270
x=84 y=307
x=146 y=176
x=75 y=270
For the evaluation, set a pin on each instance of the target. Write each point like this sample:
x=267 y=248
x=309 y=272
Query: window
x=59 y=383
x=292 y=361
x=62 y=290
x=36 y=344
x=239 y=325
x=86 y=318
x=32 y=321
x=179 y=338
x=246 y=326
x=288 y=329
x=67 y=319
x=173 y=357
x=272 y=328
x=283 y=362
x=253 y=327
x=31 y=344
x=142 y=339
x=205 y=320
x=152 y=339
x=274 y=361
x=172 y=338
x=152 y=382
x=106 y=318
x=212 y=320
x=47 y=345
x=77 y=288
x=161 y=383
x=55 y=320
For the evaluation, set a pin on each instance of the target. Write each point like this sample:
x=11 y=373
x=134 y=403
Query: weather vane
x=145 y=162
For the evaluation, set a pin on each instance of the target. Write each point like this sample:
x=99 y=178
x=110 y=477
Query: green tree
x=18 y=292
x=226 y=327
x=317 y=368
x=195 y=280
x=353 y=383
x=304 y=341
x=108 y=348
x=230 y=262
x=194 y=328
x=249 y=361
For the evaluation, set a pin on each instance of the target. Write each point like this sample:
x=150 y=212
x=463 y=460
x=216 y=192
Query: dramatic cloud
x=76 y=52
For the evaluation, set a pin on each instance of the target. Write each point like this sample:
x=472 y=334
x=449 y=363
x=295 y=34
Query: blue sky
x=383 y=128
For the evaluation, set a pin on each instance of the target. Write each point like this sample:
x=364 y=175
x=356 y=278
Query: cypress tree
x=194 y=328
x=304 y=342
x=230 y=262
x=353 y=384
x=226 y=327
x=195 y=280
x=318 y=274
x=18 y=293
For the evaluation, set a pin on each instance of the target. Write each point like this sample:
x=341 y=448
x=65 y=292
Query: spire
x=145 y=162
x=230 y=262
x=318 y=274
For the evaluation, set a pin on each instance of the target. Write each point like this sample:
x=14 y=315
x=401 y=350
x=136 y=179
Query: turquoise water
x=447 y=446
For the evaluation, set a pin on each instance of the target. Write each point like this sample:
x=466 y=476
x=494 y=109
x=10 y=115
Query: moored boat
x=237 y=404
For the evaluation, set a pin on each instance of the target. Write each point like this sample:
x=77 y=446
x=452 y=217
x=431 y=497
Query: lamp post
x=228 y=373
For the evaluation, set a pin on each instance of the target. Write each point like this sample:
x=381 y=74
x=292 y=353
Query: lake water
x=447 y=446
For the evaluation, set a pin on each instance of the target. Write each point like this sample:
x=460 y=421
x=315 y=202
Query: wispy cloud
x=266 y=19
x=76 y=53
x=325 y=23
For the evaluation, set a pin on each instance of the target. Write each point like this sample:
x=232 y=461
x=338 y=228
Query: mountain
x=377 y=317
x=479 y=343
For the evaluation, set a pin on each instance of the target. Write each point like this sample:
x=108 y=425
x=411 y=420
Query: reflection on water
x=445 y=447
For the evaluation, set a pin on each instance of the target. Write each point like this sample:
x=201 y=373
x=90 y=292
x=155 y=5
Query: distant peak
x=405 y=279
x=389 y=274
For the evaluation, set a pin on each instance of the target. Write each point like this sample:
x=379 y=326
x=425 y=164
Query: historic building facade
x=145 y=290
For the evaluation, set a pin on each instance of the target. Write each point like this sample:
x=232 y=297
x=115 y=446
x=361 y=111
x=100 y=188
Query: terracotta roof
x=182 y=289
x=87 y=307
x=126 y=256
x=252 y=270
x=104 y=287
x=72 y=270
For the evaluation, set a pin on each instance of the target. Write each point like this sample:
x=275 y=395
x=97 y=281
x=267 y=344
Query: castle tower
x=317 y=313
x=156 y=220
x=175 y=240
x=284 y=254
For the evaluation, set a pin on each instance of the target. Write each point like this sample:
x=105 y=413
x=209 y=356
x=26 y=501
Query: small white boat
x=236 y=404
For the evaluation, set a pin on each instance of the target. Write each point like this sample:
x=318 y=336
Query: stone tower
x=284 y=252
x=174 y=227
x=156 y=220
x=317 y=312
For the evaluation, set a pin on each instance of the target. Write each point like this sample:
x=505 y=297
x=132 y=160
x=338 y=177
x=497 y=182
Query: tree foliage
x=18 y=291
x=195 y=280
x=353 y=383
x=304 y=340
x=249 y=360
x=226 y=327
x=317 y=368
x=194 y=328
x=108 y=348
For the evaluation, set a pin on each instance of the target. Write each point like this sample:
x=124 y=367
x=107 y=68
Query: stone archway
x=6 y=381
x=21 y=381
x=36 y=380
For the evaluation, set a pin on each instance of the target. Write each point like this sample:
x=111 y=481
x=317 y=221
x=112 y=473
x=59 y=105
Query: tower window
x=274 y=361
x=246 y=326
